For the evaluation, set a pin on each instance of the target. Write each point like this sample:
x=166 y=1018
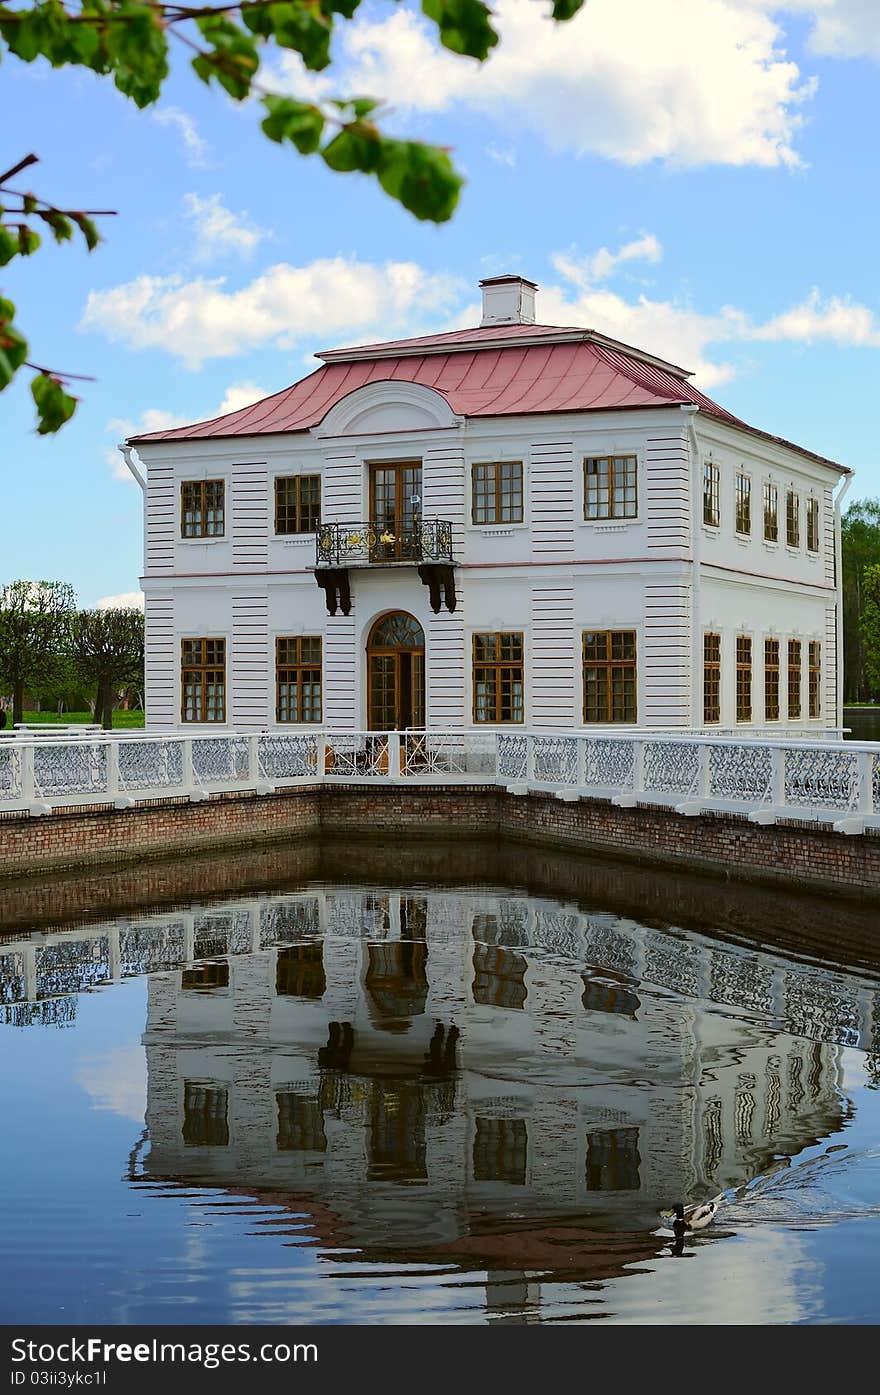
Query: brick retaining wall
x=794 y=855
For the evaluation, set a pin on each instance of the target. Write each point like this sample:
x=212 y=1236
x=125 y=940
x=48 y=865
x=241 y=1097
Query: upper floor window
x=812 y=525
x=711 y=494
x=610 y=486
x=609 y=659
x=298 y=679
x=792 y=518
x=297 y=503
x=743 y=678
x=203 y=680
x=771 y=513
x=711 y=678
x=497 y=492
x=202 y=511
x=743 y=504
x=498 y=678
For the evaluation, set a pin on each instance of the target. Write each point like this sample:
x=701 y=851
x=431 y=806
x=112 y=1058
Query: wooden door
x=396 y=674
x=395 y=511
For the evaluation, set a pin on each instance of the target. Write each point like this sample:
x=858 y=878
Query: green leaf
x=566 y=9
x=54 y=405
x=295 y=25
x=298 y=122
x=88 y=230
x=9 y=247
x=136 y=50
x=61 y=226
x=28 y=241
x=465 y=26
x=233 y=60
x=13 y=346
x=421 y=177
x=357 y=147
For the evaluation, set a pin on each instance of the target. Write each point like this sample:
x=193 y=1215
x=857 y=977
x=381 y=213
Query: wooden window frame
x=503 y=671
x=197 y=503
x=492 y=494
x=814 y=678
x=291 y=667
x=628 y=508
x=772 y=652
x=744 y=678
x=795 y=680
x=613 y=666
x=812 y=524
x=206 y=664
x=711 y=494
x=711 y=678
x=792 y=518
x=743 y=504
x=770 y=497
x=299 y=514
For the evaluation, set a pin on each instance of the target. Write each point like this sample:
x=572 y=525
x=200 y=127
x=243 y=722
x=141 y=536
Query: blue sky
x=698 y=177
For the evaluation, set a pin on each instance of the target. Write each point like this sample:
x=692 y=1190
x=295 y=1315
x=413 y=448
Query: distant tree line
x=58 y=653
x=861 y=601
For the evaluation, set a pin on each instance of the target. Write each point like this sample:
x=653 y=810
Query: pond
x=863 y=723
x=332 y=1097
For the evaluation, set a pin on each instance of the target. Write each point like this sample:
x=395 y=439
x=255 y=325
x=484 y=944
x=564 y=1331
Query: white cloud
x=195 y=148
x=201 y=319
x=126 y=600
x=840 y=28
x=239 y=395
x=502 y=155
x=217 y=231
x=838 y=319
x=116 y=1081
x=604 y=263
x=691 y=82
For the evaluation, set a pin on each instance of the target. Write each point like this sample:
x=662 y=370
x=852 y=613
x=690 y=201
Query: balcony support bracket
x=333 y=581
x=439 y=577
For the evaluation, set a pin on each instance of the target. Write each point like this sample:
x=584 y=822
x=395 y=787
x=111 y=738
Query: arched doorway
x=396 y=673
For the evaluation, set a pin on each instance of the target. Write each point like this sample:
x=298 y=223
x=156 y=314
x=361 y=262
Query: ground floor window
x=298 y=679
x=743 y=678
x=498 y=677
x=771 y=680
x=203 y=680
x=815 y=678
x=609 y=664
x=711 y=678
x=794 y=679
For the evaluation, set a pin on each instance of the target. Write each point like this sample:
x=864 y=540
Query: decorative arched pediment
x=387 y=406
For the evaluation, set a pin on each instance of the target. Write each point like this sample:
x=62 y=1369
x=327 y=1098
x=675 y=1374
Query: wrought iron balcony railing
x=362 y=544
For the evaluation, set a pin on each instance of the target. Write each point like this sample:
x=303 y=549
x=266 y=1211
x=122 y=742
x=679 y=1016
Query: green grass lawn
x=120 y=719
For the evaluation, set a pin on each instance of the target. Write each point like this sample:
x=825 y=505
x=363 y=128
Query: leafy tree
x=860 y=533
x=34 y=621
x=129 y=41
x=869 y=625
x=107 y=649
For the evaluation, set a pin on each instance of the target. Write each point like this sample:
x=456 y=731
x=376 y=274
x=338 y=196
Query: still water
x=331 y=1101
x=863 y=723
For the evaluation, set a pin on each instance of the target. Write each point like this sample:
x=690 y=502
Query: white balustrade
x=830 y=781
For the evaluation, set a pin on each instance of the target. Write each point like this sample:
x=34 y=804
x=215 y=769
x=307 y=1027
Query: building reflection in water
x=466 y=1076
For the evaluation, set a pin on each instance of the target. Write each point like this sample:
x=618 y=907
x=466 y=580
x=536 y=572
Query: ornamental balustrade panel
x=671 y=767
x=610 y=764
x=513 y=756
x=555 y=759
x=822 y=779
x=220 y=760
x=69 y=769
x=146 y=764
x=294 y=755
x=740 y=773
x=11 y=757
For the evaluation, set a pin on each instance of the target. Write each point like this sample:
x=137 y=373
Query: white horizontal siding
x=340 y=672
x=667 y=485
x=250 y=517
x=551 y=500
x=342 y=492
x=552 y=659
x=666 y=657
x=446 y=673
x=160 y=669
x=444 y=489
x=161 y=505
x=249 y=663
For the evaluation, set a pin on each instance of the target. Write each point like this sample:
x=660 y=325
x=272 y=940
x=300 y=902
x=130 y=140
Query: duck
x=692 y=1217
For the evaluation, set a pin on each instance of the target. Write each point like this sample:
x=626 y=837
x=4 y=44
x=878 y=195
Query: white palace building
x=514 y=523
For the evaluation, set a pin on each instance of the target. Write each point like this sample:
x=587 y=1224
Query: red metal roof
x=496 y=371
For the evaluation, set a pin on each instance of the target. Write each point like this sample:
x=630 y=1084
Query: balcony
x=371 y=544
x=427 y=542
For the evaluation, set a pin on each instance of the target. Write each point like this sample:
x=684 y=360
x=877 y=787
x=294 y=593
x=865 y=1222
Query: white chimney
x=508 y=300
